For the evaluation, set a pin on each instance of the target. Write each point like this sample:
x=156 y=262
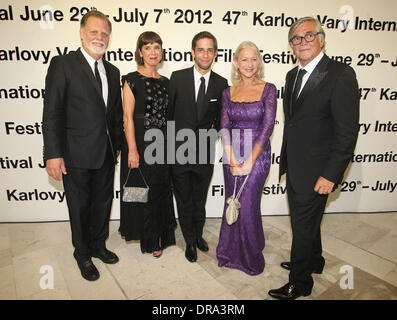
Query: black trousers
x=306 y=212
x=190 y=184
x=89 y=196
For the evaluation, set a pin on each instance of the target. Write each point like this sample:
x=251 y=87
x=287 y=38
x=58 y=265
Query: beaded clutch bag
x=135 y=194
x=233 y=208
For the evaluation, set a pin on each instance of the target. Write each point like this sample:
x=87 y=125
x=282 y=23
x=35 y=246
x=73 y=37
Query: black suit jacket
x=76 y=123
x=320 y=136
x=182 y=104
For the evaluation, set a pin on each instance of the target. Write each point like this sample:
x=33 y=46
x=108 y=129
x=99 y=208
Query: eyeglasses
x=309 y=37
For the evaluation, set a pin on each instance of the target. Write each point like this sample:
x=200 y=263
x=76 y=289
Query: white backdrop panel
x=30 y=40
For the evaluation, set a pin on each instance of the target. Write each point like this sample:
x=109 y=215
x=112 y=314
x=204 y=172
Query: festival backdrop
x=360 y=33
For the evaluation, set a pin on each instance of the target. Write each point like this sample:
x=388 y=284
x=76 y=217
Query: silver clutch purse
x=135 y=194
x=233 y=208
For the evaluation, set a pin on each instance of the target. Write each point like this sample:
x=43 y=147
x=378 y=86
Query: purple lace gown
x=240 y=245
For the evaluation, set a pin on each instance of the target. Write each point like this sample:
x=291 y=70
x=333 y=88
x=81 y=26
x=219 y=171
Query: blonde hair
x=243 y=45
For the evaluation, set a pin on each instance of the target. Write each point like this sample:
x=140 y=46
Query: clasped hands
x=241 y=169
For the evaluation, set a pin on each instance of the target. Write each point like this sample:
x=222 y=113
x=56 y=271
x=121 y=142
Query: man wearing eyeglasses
x=321 y=108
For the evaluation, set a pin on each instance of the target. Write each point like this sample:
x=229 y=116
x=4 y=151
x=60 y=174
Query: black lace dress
x=153 y=223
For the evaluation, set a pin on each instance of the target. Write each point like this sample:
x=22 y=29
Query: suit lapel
x=209 y=92
x=191 y=93
x=110 y=79
x=88 y=71
x=314 y=80
x=288 y=91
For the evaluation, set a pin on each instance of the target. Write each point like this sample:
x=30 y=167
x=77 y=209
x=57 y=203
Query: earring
x=141 y=60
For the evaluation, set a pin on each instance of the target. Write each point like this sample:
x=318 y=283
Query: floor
x=360 y=250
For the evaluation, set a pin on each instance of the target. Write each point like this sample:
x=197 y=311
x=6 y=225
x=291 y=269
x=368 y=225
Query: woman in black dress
x=145 y=101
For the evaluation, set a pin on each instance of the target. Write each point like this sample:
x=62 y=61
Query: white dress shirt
x=197 y=81
x=102 y=73
x=309 y=69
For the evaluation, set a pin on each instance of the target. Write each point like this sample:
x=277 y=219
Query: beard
x=202 y=66
x=91 y=46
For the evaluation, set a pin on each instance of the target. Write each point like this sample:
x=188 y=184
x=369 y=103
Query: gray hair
x=298 y=22
x=97 y=14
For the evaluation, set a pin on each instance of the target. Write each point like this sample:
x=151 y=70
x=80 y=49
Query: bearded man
x=82 y=127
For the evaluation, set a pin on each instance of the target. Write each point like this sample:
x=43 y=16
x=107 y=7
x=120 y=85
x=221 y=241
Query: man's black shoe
x=105 y=255
x=287 y=265
x=287 y=292
x=191 y=253
x=88 y=270
x=202 y=245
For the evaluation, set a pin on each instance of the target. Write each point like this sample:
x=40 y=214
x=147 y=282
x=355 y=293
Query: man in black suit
x=195 y=104
x=82 y=127
x=321 y=108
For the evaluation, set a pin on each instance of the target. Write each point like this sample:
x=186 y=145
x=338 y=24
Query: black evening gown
x=153 y=223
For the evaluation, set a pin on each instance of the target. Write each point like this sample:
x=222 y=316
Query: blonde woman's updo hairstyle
x=247 y=44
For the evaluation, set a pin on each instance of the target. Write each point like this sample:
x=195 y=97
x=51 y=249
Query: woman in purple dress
x=247 y=121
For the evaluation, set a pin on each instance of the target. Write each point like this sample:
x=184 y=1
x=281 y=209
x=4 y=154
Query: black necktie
x=200 y=97
x=98 y=77
x=297 y=88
